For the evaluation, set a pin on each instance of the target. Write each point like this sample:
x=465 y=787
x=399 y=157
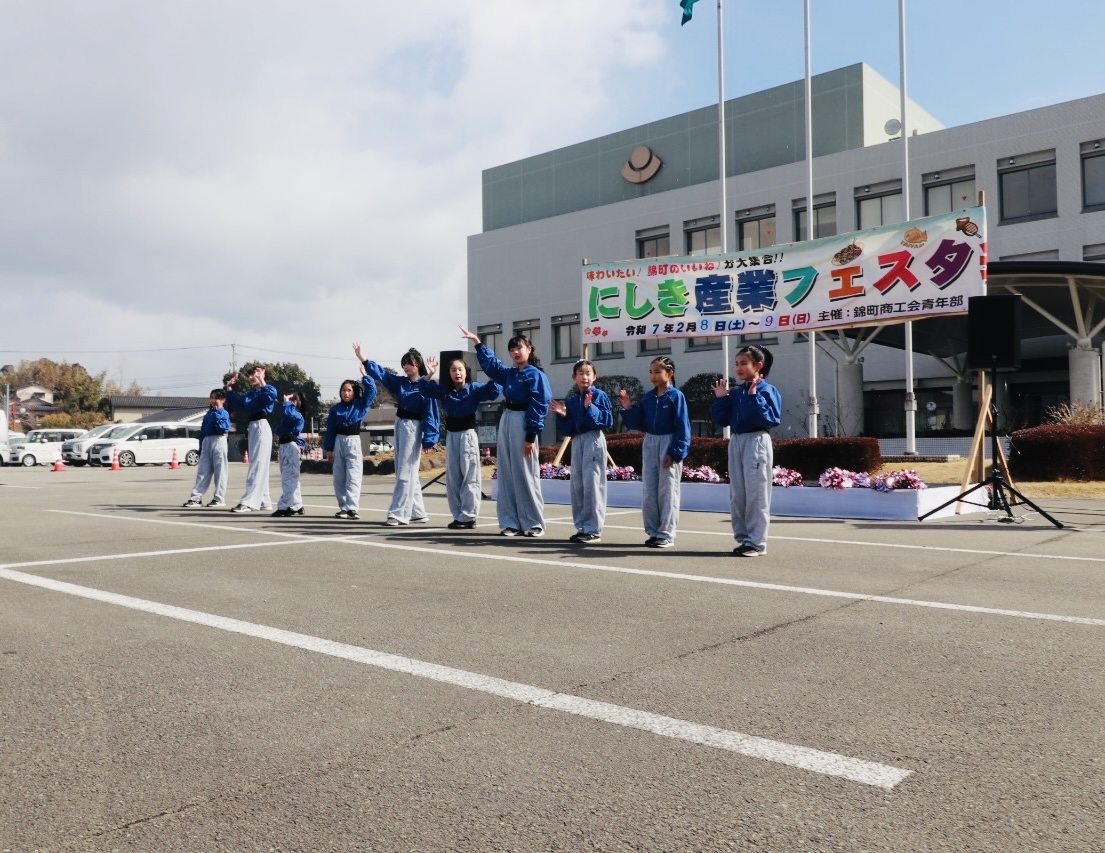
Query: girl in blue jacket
x=584 y=416
x=342 y=442
x=460 y=397
x=663 y=417
x=287 y=454
x=520 y=505
x=750 y=409
x=417 y=428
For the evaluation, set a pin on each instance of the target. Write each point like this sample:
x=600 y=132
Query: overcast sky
x=292 y=177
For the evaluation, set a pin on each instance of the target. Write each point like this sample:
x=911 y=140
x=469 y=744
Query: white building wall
x=532 y=270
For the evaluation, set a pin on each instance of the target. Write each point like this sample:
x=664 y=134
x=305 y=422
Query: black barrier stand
x=999 y=488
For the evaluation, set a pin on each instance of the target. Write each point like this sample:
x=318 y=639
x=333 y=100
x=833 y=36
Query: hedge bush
x=1058 y=452
x=813 y=456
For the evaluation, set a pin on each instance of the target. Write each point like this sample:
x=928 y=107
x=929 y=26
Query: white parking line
x=803 y=758
x=373 y=540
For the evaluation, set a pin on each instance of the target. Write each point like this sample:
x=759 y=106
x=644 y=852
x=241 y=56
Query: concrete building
x=652 y=191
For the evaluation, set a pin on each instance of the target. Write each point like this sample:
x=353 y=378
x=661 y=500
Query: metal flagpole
x=812 y=407
x=722 y=171
x=910 y=397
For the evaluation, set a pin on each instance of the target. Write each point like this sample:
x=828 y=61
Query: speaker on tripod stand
x=994 y=332
x=994 y=344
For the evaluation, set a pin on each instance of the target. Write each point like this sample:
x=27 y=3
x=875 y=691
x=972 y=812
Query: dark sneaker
x=747 y=551
x=650 y=542
x=242 y=508
x=352 y=514
x=461 y=525
x=341 y=513
x=217 y=504
x=576 y=537
x=297 y=511
x=657 y=542
x=510 y=531
x=535 y=532
x=190 y=504
x=590 y=538
x=282 y=513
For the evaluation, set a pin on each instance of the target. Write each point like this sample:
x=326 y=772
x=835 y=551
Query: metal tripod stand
x=1000 y=489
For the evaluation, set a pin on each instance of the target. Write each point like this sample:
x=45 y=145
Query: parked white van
x=75 y=451
x=148 y=444
x=42 y=446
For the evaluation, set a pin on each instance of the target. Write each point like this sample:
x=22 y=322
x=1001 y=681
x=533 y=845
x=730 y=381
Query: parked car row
x=135 y=444
x=147 y=444
x=41 y=446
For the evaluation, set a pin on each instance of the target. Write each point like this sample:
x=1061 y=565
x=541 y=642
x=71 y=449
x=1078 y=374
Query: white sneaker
x=242 y=508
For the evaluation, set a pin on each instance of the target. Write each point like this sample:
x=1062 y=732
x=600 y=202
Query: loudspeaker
x=448 y=356
x=994 y=332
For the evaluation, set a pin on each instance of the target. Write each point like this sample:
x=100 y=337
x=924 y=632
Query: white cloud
x=269 y=173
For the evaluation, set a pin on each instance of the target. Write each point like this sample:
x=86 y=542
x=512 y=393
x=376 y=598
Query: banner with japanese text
x=891 y=274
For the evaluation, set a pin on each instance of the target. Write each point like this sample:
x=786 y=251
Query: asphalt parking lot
x=193 y=680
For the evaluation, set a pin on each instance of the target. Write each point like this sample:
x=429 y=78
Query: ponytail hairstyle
x=665 y=362
x=355 y=385
x=413 y=356
x=758 y=354
x=519 y=339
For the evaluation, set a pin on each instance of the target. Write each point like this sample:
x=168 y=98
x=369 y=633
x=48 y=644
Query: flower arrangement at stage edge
x=785 y=477
x=905 y=479
x=613 y=472
x=549 y=471
x=839 y=478
x=705 y=474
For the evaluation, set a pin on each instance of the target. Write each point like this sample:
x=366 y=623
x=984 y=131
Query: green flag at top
x=688 y=6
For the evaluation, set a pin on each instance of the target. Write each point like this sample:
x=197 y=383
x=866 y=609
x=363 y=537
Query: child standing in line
x=584 y=416
x=750 y=409
x=213 y=464
x=520 y=505
x=342 y=442
x=662 y=415
x=417 y=428
x=459 y=398
x=290 y=445
x=258 y=402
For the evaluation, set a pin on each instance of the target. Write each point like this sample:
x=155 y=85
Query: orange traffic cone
x=245 y=457
x=58 y=465
x=174 y=464
x=115 y=466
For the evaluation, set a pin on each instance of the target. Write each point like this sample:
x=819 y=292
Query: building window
x=759 y=339
x=609 y=350
x=1093 y=176
x=703 y=342
x=824 y=217
x=565 y=330
x=948 y=191
x=879 y=204
x=703 y=236
x=654 y=346
x=1095 y=252
x=756 y=230
x=653 y=243
x=532 y=330
x=492 y=338
x=1027 y=187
